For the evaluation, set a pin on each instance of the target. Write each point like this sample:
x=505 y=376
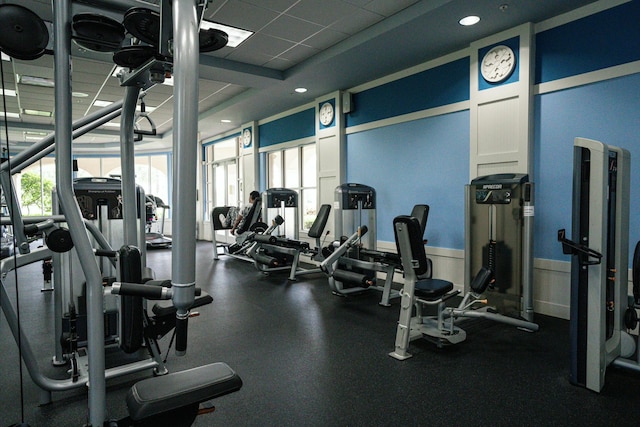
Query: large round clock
x=246 y=138
x=326 y=113
x=498 y=64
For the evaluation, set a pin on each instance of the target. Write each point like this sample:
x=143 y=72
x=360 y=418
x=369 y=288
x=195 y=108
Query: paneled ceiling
x=323 y=45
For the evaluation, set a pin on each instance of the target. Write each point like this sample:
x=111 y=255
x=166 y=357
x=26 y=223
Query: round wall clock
x=246 y=138
x=498 y=64
x=326 y=114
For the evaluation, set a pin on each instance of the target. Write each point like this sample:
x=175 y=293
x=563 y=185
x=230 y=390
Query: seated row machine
x=421 y=289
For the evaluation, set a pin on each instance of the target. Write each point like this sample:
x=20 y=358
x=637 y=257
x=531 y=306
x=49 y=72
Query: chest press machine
x=173 y=399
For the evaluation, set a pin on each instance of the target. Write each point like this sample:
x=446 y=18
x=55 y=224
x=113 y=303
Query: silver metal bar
x=45 y=146
x=185 y=119
x=127 y=164
x=526 y=308
x=64 y=184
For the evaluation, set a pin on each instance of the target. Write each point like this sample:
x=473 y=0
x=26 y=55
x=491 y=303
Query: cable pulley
x=98 y=33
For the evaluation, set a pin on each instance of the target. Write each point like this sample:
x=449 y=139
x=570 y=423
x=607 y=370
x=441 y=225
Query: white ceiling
x=323 y=45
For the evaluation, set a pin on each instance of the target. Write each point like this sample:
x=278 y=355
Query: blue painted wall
x=424 y=161
x=608 y=112
x=435 y=87
x=289 y=128
x=603 y=40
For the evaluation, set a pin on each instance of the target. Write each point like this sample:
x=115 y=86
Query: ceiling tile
x=290 y=28
x=243 y=15
x=324 y=39
x=387 y=8
x=329 y=12
x=357 y=21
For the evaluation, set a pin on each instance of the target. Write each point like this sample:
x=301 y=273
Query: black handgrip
x=138 y=290
x=363 y=230
x=181 y=334
x=106 y=253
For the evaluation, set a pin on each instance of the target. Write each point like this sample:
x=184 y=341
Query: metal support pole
x=71 y=211
x=127 y=164
x=185 y=119
x=527 y=253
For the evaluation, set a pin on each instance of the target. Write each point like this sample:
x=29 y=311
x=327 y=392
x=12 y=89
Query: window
x=296 y=169
x=220 y=175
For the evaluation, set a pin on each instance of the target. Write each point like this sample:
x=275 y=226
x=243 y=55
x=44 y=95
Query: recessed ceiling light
x=469 y=20
x=5 y=57
x=300 y=89
x=36 y=81
x=225 y=121
x=11 y=115
x=112 y=125
x=8 y=92
x=236 y=35
x=100 y=103
x=37 y=112
x=79 y=94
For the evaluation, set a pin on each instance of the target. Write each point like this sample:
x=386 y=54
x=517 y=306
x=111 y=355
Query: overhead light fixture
x=225 y=121
x=9 y=115
x=469 y=20
x=8 y=92
x=111 y=125
x=300 y=89
x=40 y=113
x=34 y=136
x=236 y=35
x=79 y=94
x=100 y=103
x=5 y=57
x=36 y=81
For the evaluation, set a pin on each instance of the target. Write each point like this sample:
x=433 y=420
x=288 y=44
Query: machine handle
x=570 y=247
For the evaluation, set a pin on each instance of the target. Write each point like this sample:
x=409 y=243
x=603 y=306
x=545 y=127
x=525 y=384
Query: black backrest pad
x=414 y=231
x=252 y=216
x=317 y=228
x=482 y=280
x=421 y=212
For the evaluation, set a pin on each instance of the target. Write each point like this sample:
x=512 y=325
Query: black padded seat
x=432 y=289
x=157 y=395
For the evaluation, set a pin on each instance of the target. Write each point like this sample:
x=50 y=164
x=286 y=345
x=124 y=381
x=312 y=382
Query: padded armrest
x=166 y=308
x=168 y=392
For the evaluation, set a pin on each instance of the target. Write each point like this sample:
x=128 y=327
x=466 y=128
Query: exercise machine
x=252 y=224
x=499 y=235
x=272 y=253
x=353 y=264
x=420 y=289
x=156 y=239
x=601 y=310
x=160 y=398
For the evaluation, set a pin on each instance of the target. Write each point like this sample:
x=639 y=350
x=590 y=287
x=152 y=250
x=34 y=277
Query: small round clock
x=326 y=114
x=498 y=64
x=246 y=138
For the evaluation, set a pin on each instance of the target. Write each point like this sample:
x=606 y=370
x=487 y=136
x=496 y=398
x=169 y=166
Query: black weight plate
x=212 y=39
x=133 y=56
x=59 y=240
x=143 y=24
x=97 y=32
x=24 y=35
